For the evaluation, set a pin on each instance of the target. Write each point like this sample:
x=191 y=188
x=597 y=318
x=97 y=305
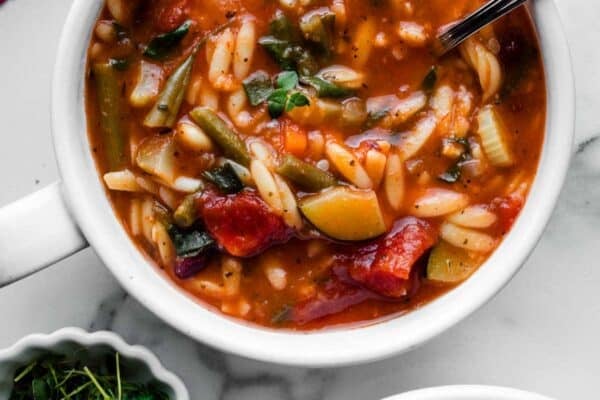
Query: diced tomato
x=169 y=14
x=385 y=265
x=336 y=296
x=242 y=223
x=508 y=209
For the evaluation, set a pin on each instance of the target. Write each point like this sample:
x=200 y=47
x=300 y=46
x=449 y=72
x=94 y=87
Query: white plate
x=468 y=393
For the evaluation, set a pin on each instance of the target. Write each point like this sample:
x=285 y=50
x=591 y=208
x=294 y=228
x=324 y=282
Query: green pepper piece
x=108 y=93
x=215 y=127
x=305 y=175
x=164 y=113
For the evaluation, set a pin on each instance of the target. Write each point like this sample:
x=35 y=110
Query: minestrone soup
x=304 y=164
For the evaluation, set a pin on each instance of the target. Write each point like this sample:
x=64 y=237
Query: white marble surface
x=541 y=333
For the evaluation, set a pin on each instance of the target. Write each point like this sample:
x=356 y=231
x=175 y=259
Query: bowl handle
x=36 y=232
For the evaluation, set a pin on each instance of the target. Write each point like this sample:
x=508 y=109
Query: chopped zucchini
x=344 y=213
x=449 y=264
x=494 y=137
x=156 y=156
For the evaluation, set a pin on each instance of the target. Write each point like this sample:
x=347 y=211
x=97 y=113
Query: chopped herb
x=120 y=64
x=325 y=88
x=430 y=80
x=282 y=315
x=57 y=377
x=454 y=173
x=276 y=103
x=374 y=117
x=258 y=87
x=162 y=45
x=120 y=30
x=225 y=178
x=190 y=243
x=284 y=98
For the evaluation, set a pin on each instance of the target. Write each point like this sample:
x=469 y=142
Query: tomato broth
x=304 y=164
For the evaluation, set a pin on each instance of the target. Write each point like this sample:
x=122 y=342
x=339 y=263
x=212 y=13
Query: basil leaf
x=325 y=88
x=287 y=80
x=276 y=103
x=160 y=46
x=430 y=80
x=258 y=87
x=190 y=243
x=297 y=99
x=225 y=178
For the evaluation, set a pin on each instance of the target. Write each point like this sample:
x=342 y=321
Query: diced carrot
x=296 y=140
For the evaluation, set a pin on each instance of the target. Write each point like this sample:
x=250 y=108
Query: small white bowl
x=69 y=341
x=468 y=393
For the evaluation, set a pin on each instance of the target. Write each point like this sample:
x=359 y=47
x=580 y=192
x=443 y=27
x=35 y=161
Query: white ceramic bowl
x=87 y=203
x=468 y=393
x=88 y=346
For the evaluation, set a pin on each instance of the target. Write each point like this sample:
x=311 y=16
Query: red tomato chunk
x=385 y=265
x=242 y=224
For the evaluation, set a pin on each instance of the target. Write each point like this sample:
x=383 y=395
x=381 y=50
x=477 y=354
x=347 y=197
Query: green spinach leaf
x=225 y=178
x=258 y=87
x=190 y=243
x=162 y=45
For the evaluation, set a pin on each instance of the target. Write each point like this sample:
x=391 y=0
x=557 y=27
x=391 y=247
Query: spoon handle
x=454 y=35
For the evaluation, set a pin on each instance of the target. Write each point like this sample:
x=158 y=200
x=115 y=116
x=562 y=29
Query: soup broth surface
x=305 y=164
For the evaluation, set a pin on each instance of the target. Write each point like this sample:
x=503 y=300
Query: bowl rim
x=468 y=392
x=90 y=339
x=334 y=347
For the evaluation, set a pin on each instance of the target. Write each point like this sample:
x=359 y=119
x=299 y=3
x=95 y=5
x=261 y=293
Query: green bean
x=164 y=113
x=305 y=175
x=108 y=93
x=186 y=214
x=231 y=144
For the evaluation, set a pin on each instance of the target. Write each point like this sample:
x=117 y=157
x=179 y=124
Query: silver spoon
x=450 y=37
